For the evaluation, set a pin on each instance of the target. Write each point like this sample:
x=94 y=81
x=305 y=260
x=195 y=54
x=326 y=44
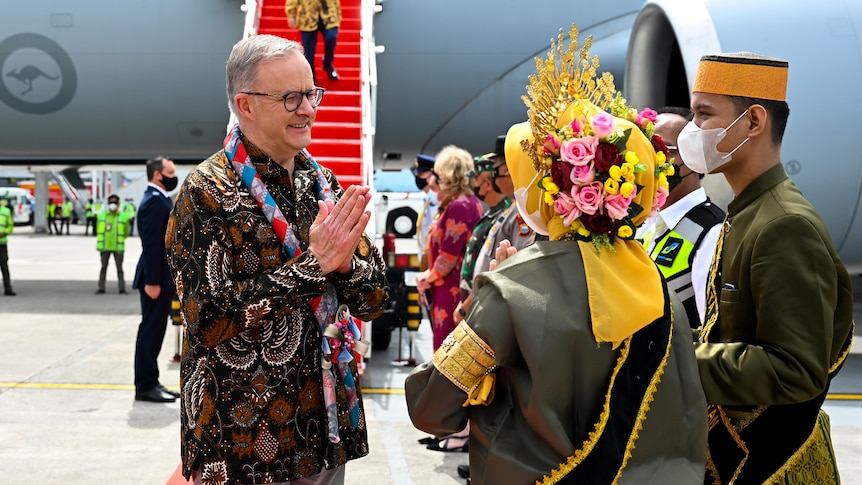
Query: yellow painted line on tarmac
x=844 y=397
x=372 y=390
x=130 y=387
x=61 y=385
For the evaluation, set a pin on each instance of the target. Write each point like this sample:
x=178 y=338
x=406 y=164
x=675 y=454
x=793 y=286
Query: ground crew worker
x=112 y=227
x=130 y=211
x=7 y=224
x=66 y=215
x=50 y=213
x=90 y=209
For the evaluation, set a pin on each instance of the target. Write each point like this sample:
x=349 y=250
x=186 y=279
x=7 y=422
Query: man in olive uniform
x=112 y=227
x=779 y=300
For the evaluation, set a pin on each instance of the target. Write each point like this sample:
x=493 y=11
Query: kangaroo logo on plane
x=22 y=71
x=27 y=75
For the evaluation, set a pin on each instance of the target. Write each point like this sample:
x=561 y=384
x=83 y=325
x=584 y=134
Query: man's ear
x=244 y=105
x=757 y=118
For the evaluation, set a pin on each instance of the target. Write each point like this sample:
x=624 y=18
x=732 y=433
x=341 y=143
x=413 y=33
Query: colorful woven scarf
x=324 y=307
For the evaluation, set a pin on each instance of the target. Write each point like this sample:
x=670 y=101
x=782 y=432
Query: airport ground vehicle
x=396 y=212
x=20 y=201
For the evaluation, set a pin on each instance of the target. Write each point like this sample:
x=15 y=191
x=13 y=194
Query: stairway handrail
x=252 y=9
x=368 y=78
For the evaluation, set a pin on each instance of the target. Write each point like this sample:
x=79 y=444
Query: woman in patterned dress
x=447 y=240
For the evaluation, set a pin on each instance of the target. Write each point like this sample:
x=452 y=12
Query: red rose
x=598 y=223
x=606 y=155
x=658 y=144
x=561 y=175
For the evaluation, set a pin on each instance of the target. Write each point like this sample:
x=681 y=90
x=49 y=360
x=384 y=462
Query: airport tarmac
x=67 y=413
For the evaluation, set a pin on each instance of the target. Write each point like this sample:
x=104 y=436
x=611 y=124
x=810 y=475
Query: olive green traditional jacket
x=784 y=319
x=553 y=380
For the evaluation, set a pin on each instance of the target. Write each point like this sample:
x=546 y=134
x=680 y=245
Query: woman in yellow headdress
x=575 y=364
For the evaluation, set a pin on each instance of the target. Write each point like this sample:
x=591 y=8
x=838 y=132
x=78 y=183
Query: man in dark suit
x=153 y=279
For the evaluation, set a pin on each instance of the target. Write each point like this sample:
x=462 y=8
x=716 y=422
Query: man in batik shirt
x=264 y=245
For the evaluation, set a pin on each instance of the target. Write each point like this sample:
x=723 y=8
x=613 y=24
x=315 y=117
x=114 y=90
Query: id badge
x=108 y=226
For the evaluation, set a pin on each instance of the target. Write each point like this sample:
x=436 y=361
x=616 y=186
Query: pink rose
x=617 y=206
x=582 y=174
x=551 y=146
x=660 y=198
x=576 y=128
x=566 y=207
x=649 y=114
x=589 y=197
x=579 y=151
x=603 y=125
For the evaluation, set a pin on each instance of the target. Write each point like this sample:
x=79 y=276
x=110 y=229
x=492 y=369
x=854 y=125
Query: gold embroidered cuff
x=464 y=358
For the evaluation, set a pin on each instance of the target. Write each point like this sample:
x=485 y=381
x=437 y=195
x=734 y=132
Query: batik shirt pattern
x=252 y=403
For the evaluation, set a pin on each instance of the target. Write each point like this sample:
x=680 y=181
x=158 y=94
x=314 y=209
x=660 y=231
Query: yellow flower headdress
x=585 y=174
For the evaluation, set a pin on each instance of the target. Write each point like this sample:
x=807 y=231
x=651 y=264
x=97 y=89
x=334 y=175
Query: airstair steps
x=337 y=132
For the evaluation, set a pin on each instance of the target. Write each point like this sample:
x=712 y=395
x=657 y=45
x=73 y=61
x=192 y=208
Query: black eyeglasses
x=293 y=99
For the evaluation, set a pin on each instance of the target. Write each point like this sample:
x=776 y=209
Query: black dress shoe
x=165 y=389
x=428 y=440
x=331 y=72
x=9 y=293
x=124 y=292
x=451 y=444
x=464 y=471
x=100 y=292
x=155 y=395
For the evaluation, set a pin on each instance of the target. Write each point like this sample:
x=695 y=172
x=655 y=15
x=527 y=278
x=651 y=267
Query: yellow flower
x=580 y=229
x=614 y=172
x=624 y=231
x=626 y=189
x=550 y=186
x=628 y=172
x=671 y=169
x=660 y=158
x=632 y=157
x=612 y=186
x=549 y=198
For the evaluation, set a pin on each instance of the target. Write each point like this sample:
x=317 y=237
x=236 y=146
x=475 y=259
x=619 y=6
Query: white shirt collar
x=672 y=214
x=150 y=184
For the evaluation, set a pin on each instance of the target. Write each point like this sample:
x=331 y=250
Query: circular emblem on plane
x=793 y=167
x=37 y=76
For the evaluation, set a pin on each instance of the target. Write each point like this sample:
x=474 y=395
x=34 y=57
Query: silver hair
x=245 y=57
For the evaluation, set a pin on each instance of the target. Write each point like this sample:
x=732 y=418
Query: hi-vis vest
x=7 y=223
x=111 y=231
x=674 y=253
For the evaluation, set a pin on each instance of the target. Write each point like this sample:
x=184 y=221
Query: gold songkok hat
x=588 y=167
x=742 y=74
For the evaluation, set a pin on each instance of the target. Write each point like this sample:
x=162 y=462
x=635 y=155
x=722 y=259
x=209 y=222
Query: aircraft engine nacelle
x=820 y=150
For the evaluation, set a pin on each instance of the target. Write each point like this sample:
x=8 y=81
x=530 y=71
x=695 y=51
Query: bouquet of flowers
x=591 y=181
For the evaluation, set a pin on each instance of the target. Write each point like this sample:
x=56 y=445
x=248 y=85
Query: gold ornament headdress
x=584 y=167
x=555 y=85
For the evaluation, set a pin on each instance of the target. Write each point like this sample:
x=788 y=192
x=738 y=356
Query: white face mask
x=699 y=148
x=112 y=207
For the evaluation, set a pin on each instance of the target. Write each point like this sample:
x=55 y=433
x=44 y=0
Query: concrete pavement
x=67 y=413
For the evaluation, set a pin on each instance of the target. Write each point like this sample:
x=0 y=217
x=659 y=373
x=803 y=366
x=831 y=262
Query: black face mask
x=476 y=192
x=170 y=183
x=674 y=180
x=421 y=183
